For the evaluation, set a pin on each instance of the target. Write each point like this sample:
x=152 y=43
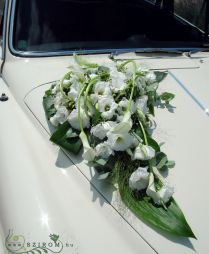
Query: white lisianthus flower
x=100 y=130
x=88 y=152
x=73 y=119
x=101 y=89
x=141 y=104
x=118 y=80
x=103 y=150
x=139 y=179
x=123 y=105
x=107 y=106
x=163 y=195
x=60 y=117
x=150 y=77
x=74 y=91
x=58 y=100
x=143 y=153
x=119 y=141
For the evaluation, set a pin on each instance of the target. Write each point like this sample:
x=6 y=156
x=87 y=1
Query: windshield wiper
x=172 y=51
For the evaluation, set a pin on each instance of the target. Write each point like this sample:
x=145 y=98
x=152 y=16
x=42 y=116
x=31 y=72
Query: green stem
x=79 y=108
x=124 y=64
x=133 y=86
x=87 y=92
x=144 y=133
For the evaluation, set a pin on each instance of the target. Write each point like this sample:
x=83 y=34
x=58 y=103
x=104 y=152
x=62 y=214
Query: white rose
x=141 y=104
x=117 y=80
x=73 y=119
x=103 y=150
x=100 y=130
x=58 y=100
x=60 y=117
x=143 y=152
x=139 y=179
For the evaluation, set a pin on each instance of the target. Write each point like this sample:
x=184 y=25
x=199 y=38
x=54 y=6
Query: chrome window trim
x=82 y=51
x=4 y=37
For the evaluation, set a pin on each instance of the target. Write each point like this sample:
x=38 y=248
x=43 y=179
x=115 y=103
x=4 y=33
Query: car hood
x=183 y=128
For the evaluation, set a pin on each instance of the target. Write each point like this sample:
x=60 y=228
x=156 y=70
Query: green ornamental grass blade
x=171 y=220
x=60 y=138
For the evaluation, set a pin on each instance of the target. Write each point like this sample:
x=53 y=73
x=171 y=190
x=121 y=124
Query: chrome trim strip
x=196 y=100
x=82 y=51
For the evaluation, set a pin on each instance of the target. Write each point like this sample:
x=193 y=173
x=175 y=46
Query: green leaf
x=167 y=97
x=161 y=159
x=170 y=164
x=170 y=221
x=48 y=104
x=96 y=118
x=60 y=138
x=160 y=76
x=83 y=62
x=101 y=161
x=153 y=144
x=103 y=176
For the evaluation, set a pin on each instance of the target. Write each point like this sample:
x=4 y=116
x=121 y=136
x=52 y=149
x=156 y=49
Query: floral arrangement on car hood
x=106 y=110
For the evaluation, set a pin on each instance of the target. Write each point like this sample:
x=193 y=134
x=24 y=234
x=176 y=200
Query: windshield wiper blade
x=149 y=51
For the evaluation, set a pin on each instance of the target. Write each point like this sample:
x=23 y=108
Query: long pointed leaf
x=171 y=220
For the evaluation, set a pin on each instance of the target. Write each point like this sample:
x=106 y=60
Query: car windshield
x=61 y=25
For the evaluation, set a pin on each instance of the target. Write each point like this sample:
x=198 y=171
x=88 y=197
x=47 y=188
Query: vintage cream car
x=46 y=191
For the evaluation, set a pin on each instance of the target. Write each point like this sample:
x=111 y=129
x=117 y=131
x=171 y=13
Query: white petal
x=101 y=129
x=103 y=150
x=139 y=179
x=151 y=191
x=119 y=141
x=144 y=152
x=73 y=119
x=124 y=126
x=89 y=152
x=141 y=104
x=166 y=192
x=107 y=106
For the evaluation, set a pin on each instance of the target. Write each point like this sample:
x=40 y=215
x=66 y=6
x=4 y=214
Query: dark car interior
x=52 y=25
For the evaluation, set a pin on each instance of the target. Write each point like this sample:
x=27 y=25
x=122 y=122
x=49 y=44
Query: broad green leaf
x=101 y=161
x=167 y=97
x=171 y=220
x=59 y=137
x=170 y=164
x=160 y=76
x=83 y=62
x=48 y=104
x=153 y=144
x=103 y=176
x=161 y=159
